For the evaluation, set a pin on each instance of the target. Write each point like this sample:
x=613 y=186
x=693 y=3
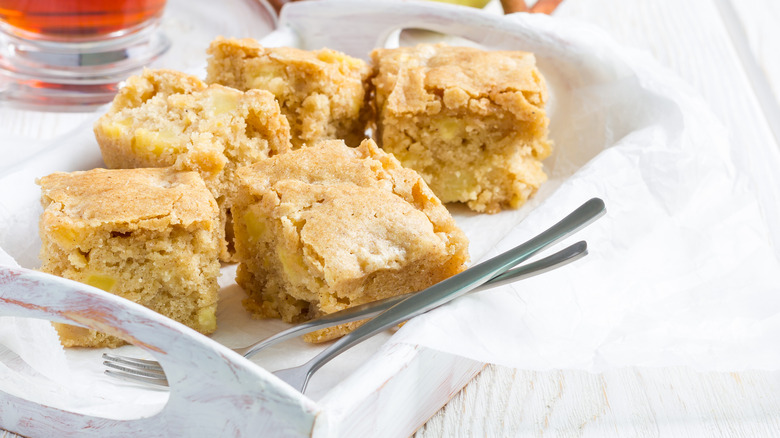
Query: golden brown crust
x=456 y=75
x=127 y=197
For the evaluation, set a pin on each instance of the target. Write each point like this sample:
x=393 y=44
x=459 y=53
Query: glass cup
x=70 y=54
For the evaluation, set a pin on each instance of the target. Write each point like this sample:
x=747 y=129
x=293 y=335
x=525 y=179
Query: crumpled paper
x=682 y=270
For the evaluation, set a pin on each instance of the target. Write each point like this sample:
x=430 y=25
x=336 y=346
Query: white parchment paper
x=682 y=271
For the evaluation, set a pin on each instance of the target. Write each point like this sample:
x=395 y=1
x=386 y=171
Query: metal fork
x=149 y=371
x=445 y=291
x=407 y=308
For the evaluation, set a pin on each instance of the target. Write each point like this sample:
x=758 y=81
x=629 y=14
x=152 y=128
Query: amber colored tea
x=78 y=19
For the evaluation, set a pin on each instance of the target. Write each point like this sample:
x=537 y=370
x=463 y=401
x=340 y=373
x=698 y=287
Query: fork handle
x=462 y=283
x=374 y=308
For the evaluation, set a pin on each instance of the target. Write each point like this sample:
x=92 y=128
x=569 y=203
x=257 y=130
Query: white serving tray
x=215 y=392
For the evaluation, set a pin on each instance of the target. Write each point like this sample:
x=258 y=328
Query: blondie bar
x=471 y=122
x=323 y=93
x=327 y=227
x=148 y=235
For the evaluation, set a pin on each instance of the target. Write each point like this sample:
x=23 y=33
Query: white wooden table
x=727 y=50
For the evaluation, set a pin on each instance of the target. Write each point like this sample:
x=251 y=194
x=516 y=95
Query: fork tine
x=149 y=365
x=135 y=370
x=152 y=374
x=131 y=377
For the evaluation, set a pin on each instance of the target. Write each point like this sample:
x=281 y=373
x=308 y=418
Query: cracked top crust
x=420 y=79
x=136 y=198
x=375 y=213
x=348 y=231
x=331 y=162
